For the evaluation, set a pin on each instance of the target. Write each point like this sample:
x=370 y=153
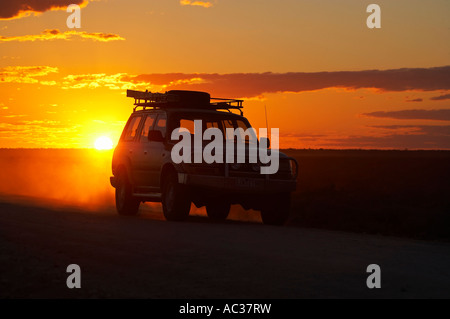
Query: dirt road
x=147 y=257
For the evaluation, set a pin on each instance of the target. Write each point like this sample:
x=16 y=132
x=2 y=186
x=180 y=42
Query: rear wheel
x=126 y=204
x=276 y=209
x=175 y=200
x=218 y=210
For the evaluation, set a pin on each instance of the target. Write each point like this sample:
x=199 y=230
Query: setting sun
x=103 y=143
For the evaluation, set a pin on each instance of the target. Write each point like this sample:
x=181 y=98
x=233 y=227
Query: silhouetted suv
x=144 y=169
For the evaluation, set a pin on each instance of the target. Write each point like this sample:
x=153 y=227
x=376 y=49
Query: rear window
x=187 y=125
x=148 y=125
x=186 y=122
x=131 y=129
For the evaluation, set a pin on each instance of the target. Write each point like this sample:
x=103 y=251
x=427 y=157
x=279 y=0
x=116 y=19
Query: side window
x=132 y=129
x=211 y=124
x=161 y=124
x=228 y=124
x=188 y=125
x=245 y=137
x=148 y=125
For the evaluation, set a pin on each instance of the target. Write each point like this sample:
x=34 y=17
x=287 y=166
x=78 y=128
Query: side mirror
x=155 y=136
x=264 y=141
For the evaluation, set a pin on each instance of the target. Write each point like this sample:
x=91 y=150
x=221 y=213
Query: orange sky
x=327 y=80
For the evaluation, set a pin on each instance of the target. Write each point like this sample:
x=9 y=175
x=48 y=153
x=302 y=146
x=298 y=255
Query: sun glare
x=103 y=143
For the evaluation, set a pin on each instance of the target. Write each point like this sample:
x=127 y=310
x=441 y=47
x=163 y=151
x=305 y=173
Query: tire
x=126 y=204
x=218 y=210
x=276 y=209
x=175 y=200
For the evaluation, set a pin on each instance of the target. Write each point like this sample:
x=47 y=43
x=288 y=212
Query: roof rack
x=183 y=99
x=149 y=99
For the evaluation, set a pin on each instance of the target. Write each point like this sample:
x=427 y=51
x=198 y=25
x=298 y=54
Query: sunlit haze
x=328 y=81
x=103 y=143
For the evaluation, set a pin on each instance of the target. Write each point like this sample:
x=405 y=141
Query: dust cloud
x=73 y=178
x=58 y=176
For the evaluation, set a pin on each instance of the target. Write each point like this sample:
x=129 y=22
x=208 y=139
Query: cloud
x=41 y=124
x=303 y=137
x=99 y=36
x=8 y=130
x=255 y=84
x=441 y=97
x=123 y=81
x=55 y=34
x=14 y=116
x=435 y=115
x=26 y=74
x=418 y=129
x=414 y=100
x=14 y=9
x=398 y=137
x=93 y=81
x=5 y=57
x=45 y=133
x=204 y=4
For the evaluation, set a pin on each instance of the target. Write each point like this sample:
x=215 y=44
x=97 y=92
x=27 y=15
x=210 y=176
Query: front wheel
x=126 y=203
x=175 y=200
x=276 y=209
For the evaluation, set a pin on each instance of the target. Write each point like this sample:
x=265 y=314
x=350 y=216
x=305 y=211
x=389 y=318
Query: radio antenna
x=265 y=110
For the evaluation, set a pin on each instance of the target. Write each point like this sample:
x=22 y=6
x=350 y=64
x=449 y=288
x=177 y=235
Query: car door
x=130 y=143
x=142 y=157
x=151 y=154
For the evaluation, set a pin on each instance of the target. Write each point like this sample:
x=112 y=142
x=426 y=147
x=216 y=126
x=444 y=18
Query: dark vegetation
x=401 y=193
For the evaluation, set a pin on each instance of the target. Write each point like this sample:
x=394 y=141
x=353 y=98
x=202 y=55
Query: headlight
x=256 y=167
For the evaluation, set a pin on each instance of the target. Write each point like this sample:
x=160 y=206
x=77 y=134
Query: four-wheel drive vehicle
x=144 y=171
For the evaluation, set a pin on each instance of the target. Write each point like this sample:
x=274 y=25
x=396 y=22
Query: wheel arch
x=124 y=165
x=168 y=168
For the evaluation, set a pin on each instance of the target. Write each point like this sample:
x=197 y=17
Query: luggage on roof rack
x=183 y=99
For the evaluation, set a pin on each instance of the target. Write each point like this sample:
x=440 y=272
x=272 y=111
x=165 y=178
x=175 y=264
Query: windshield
x=239 y=127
